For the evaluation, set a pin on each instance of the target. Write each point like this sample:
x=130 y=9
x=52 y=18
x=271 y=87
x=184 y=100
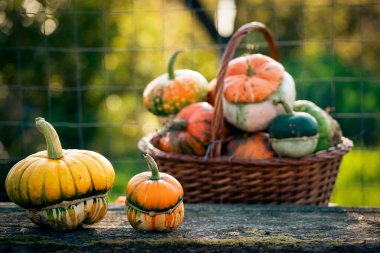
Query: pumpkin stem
x=175 y=124
x=54 y=148
x=250 y=70
x=171 y=64
x=288 y=108
x=152 y=167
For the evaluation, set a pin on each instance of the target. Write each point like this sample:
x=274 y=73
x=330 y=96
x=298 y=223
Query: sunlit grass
x=358 y=182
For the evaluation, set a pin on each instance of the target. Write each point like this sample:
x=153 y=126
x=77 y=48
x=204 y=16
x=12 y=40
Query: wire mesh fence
x=83 y=66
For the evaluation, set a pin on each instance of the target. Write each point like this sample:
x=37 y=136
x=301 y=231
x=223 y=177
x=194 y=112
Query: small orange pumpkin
x=252 y=78
x=154 y=200
x=250 y=146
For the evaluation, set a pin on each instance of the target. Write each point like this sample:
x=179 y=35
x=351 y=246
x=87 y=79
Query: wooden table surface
x=207 y=228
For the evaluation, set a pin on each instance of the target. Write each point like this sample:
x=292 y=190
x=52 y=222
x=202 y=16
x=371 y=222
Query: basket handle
x=218 y=120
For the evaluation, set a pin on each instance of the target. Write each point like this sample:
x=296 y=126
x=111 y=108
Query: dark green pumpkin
x=329 y=130
x=294 y=134
x=294 y=125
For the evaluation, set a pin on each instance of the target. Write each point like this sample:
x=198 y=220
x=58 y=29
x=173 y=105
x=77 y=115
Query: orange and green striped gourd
x=189 y=132
x=167 y=94
x=154 y=200
x=61 y=188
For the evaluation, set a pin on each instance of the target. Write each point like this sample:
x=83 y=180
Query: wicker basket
x=217 y=179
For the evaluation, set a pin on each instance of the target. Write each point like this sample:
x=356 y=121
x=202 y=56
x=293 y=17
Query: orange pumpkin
x=250 y=146
x=170 y=143
x=189 y=132
x=154 y=200
x=252 y=78
x=251 y=84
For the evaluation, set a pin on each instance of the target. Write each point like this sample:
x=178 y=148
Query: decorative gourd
x=251 y=84
x=61 y=188
x=189 y=132
x=169 y=93
x=249 y=146
x=329 y=130
x=154 y=200
x=294 y=134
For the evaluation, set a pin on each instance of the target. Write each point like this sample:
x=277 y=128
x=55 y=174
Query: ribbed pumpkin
x=249 y=146
x=189 y=132
x=154 y=200
x=169 y=93
x=61 y=188
x=251 y=84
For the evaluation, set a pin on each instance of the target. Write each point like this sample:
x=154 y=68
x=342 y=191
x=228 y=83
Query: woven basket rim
x=145 y=145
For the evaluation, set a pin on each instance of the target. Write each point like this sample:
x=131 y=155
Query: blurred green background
x=83 y=65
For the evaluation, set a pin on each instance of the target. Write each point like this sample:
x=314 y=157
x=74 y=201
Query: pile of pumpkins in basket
x=263 y=118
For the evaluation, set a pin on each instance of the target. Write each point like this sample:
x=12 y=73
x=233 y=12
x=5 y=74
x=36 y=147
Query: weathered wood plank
x=211 y=228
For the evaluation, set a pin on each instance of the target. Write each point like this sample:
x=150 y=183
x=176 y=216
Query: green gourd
x=294 y=134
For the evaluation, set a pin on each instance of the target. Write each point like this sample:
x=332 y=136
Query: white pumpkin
x=252 y=117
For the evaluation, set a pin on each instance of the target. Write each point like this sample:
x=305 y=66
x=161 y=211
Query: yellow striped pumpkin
x=154 y=201
x=49 y=178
